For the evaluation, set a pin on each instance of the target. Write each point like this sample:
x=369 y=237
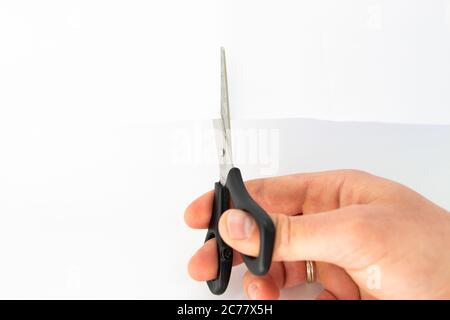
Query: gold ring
x=310 y=271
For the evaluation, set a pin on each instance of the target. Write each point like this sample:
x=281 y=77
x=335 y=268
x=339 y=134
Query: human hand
x=352 y=224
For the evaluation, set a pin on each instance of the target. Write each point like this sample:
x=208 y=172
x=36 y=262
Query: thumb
x=328 y=236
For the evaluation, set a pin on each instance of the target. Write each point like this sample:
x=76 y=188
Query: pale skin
x=348 y=222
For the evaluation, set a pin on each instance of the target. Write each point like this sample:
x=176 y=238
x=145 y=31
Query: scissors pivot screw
x=226 y=253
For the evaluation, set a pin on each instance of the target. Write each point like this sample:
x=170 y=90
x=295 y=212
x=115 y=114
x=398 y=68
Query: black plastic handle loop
x=242 y=200
x=224 y=252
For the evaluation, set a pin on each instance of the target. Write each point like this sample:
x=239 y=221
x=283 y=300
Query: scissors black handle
x=235 y=191
x=224 y=252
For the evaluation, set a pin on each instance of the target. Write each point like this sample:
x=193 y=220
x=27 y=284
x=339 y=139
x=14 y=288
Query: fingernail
x=240 y=224
x=252 y=291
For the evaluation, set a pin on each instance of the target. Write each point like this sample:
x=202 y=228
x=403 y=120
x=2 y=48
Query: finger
x=328 y=236
x=281 y=275
x=295 y=194
x=336 y=282
x=203 y=265
x=277 y=273
x=198 y=213
x=294 y=273
x=260 y=287
x=287 y=274
x=290 y=274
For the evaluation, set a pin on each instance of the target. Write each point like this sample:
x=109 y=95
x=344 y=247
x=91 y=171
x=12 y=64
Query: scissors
x=230 y=189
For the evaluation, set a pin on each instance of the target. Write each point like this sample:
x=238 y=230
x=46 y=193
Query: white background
x=91 y=198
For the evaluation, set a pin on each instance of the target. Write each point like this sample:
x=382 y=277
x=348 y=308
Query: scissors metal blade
x=222 y=126
x=224 y=101
x=225 y=160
